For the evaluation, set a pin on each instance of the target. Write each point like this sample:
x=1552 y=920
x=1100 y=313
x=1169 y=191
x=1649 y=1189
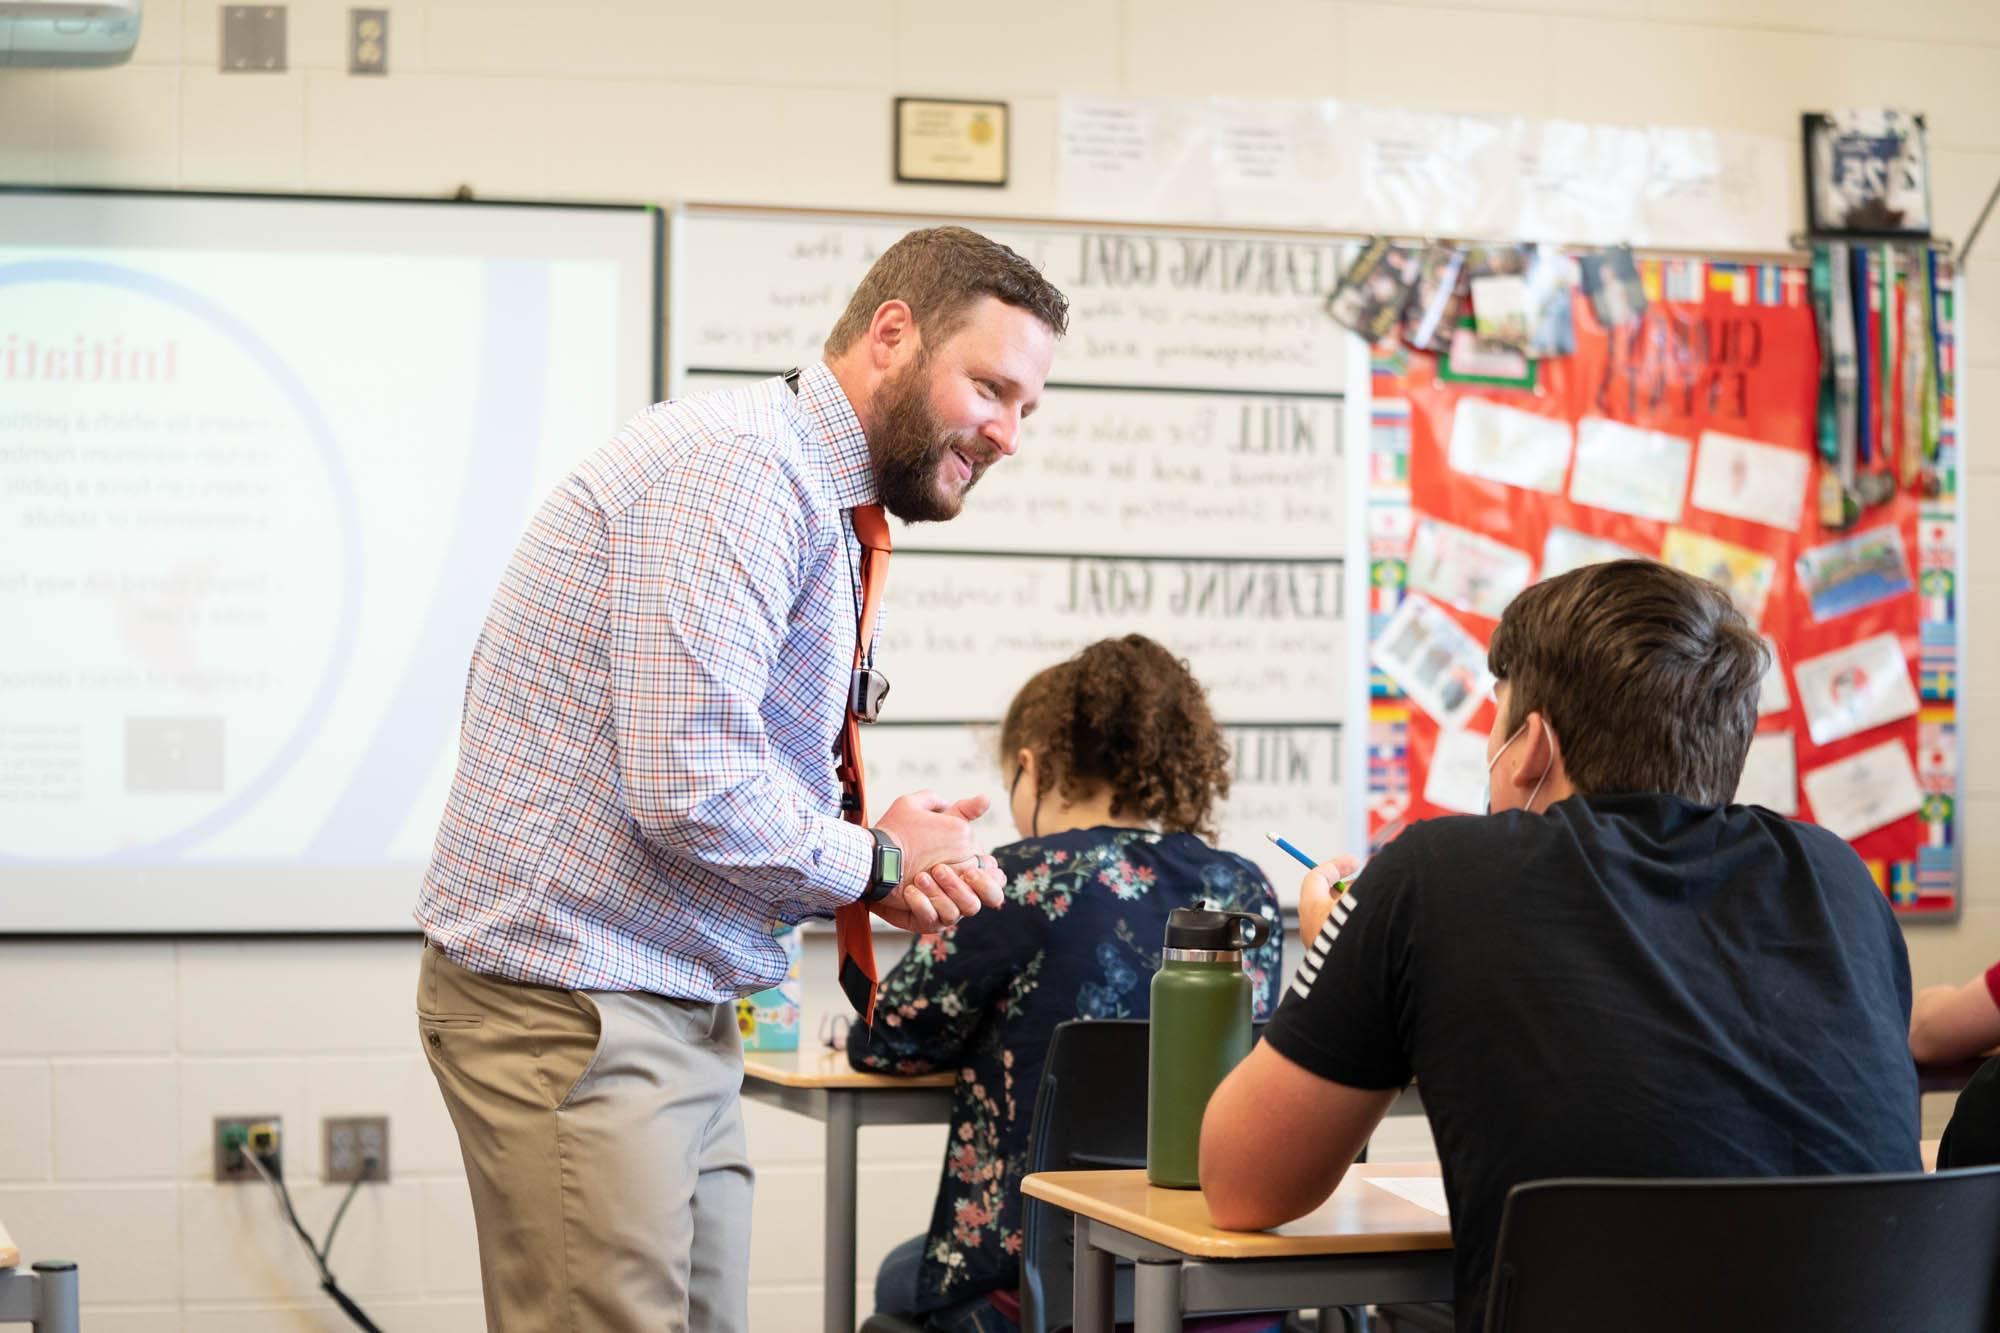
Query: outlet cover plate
x=349 y=1142
x=253 y=39
x=368 y=41
x=231 y=1167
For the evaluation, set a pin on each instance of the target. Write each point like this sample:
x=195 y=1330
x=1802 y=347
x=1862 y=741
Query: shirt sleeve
x=1338 y=1018
x=705 y=570
x=934 y=1002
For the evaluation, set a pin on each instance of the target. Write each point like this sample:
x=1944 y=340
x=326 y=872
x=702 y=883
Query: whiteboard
x=262 y=463
x=758 y=291
x=1187 y=477
x=1280 y=778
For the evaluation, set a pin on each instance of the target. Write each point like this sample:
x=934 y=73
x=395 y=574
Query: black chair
x=1412 y=1317
x=1090 y=1114
x=1972 y=1138
x=1889 y=1252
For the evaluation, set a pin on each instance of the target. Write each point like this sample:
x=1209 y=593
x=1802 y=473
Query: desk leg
x=55 y=1299
x=44 y=1296
x=843 y=1131
x=1156 y=1292
x=1091 y=1306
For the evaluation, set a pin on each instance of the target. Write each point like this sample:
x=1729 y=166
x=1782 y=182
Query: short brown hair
x=940 y=273
x=1127 y=714
x=1648 y=676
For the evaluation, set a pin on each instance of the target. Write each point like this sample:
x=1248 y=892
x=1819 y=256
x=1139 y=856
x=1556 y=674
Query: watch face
x=889 y=865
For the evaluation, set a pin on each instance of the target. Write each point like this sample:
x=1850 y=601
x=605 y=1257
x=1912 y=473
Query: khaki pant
x=603 y=1139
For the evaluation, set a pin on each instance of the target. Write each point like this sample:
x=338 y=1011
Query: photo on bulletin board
x=1470 y=359
x=1691 y=435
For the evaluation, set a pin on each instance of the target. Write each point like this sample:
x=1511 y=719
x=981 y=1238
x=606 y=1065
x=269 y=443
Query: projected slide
x=257 y=500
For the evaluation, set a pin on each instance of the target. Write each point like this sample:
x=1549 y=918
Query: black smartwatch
x=887 y=868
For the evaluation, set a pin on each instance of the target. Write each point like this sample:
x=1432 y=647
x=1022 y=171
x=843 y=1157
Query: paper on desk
x=1425 y=1192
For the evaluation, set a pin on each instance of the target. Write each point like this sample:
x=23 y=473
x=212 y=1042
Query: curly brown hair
x=1125 y=714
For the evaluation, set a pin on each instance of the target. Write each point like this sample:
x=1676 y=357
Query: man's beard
x=908 y=446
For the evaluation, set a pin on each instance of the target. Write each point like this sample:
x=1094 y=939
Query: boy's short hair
x=1649 y=677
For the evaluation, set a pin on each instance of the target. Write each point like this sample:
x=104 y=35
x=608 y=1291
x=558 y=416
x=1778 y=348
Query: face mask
x=1035 y=816
x=1530 y=807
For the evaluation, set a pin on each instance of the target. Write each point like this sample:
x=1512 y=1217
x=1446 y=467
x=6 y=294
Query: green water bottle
x=1200 y=1029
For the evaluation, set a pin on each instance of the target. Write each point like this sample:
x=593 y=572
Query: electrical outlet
x=253 y=39
x=236 y=1135
x=357 y=1148
x=367 y=41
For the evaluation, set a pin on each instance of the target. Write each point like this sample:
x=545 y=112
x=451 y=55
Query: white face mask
x=1530 y=807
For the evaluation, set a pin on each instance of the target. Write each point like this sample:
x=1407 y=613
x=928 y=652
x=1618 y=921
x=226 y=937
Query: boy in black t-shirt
x=1615 y=973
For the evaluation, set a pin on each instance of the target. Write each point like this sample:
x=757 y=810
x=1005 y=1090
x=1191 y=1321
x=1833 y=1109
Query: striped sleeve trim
x=1315 y=959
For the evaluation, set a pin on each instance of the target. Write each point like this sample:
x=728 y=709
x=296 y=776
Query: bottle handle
x=1252 y=930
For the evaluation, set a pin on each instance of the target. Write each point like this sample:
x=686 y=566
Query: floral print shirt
x=1078 y=937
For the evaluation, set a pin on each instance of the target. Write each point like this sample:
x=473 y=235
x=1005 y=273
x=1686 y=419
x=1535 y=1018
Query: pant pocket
x=570 y=1058
x=443 y=1001
x=440 y=1034
x=698 y=1022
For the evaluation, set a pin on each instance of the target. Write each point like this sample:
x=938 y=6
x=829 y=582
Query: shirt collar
x=834 y=423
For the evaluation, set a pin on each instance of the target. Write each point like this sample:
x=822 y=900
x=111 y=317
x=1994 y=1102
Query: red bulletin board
x=1734 y=359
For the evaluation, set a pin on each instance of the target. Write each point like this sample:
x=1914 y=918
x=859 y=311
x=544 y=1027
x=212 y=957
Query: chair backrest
x=1972 y=1138
x=1089 y=1112
x=1820 y=1252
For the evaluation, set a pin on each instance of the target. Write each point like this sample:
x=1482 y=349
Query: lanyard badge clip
x=865 y=693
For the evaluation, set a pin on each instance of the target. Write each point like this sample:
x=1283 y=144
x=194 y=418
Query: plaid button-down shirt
x=645 y=776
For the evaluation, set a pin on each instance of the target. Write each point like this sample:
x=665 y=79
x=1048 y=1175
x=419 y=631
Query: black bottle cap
x=1206 y=928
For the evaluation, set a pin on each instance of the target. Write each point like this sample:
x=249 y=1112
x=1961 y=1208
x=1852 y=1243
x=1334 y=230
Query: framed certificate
x=943 y=141
x=1867 y=174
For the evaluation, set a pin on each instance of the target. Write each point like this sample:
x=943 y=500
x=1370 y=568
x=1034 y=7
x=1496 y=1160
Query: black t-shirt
x=1628 y=985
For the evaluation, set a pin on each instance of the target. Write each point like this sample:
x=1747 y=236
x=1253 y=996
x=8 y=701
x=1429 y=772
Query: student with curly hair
x=1114 y=765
